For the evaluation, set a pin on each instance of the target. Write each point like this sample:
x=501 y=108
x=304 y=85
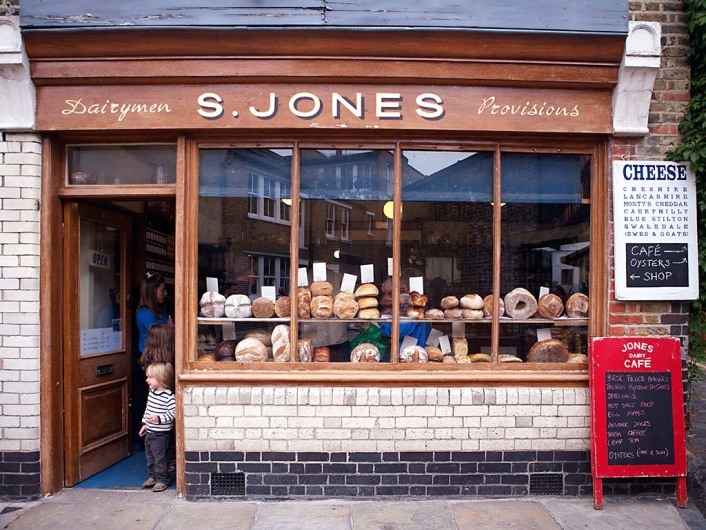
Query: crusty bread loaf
x=367 y=289
x=577 y=358
x=434 y=354
x=413 y=354
x=322 y=354
x=305 y=351
x=345 y=306
x=434 y=314
x=507 y=358
x=449 y=302
x=577 y=306
x=488 y=306
x=459 y=346
x=418 y=300
x=454 y=313
x=471 y=314
x=520 y=304
x=281 y=351
x=366 y=302
x=365 y=353
x=250 y=350
x=321 y=289
x=263 y=335
x=213 y=305
x=415 y=312
x=263 y=308
x=283 y=307
x=238 y=306
x=304 y=302
x=369 y=313
x=480 y=358
x=322 y=307
x=448 y=358
x=548 y=351
x=471 y=301
x=550 y=306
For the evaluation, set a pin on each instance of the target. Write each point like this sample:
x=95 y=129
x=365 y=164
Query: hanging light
x=337 y=254
x=288 y=202
x=389 y=209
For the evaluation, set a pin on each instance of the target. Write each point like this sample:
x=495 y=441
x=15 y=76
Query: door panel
x=96 y=340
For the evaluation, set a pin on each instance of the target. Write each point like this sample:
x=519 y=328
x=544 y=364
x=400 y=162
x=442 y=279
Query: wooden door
x=96 y=340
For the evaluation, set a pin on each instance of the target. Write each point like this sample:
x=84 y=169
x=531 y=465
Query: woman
x=151 y=310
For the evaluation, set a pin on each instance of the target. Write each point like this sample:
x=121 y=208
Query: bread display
x=459 y=347
x=283 y=307
x=434 y=354
x=550 y=306
x=471 y=301
x=577 y=306
x=418 y=300
x=322 y=307
x=345 y=306
x=365 y=353
x=471 y=314
x=488 y=306
x=322 y=354
x=213 y=305
x=449 y=302
x=455 y=313
x=305 y=351
x=369 y=313
x=263 y=308
x=250 y=351
x=413 y=354
x=479 y=358
x=238 y=306
x=281 y=351
x=263 y=335
x=520 y=304
x=321 y=289
x=548 y=351
x=367 y=289
x=434 y=314
x=304 y=302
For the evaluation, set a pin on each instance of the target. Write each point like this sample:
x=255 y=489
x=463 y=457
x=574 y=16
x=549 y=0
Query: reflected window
x=116 y=165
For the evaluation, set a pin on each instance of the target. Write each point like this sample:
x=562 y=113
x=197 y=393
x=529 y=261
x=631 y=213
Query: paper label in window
x=228 y=331
x=444 y=344
x=303 y=278
x=367 y=273
x=458 y=329
x=433 y=339
x=389 y=267
x=416 y=283
x=543 y=291
x=348 y=283
x=319 y=272
x=544 y=334
x=269 y=291
x=408 y=341
x=212 y=285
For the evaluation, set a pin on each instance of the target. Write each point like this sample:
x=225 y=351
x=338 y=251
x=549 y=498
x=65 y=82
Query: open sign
x=99 y=259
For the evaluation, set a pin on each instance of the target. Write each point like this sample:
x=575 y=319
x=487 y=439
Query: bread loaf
x=366 y=302
x=488 y=306
x=506 y=358
x=213 y=305
x=365 y=353
x=207 y=358
x=479 y=358
x=449 y=302
x=577 y=358
x=305 y=351
x=434 y=314
x=263 y=335
x=455 y=313
x=448 y=358
x=238 y=306
x=250 y=351
x=281 y=351
x=415 y=312
x=224 y=349
x=520 y=304
x=550 y=306
x=434 y=354
x=369 y=313
x=321 y=289
x=304 y=302
x=418 y=300
x=413 y=354
x=471 y=301
x=548 y=351
x=577 y=306
x=263 y=308
x=367 y=289
x=471 y=314
x=459 y=346
x=345 y=306
x=283 y=307
x=322 y=354
x=322 y=307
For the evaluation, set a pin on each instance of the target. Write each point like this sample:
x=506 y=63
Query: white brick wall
x=20 y=169
x=385 y=419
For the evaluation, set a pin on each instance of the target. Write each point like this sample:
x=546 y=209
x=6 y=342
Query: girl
x=159 y=345
x=153 y=291
x=157 y=423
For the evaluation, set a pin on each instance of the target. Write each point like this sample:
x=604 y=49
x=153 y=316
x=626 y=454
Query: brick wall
x=20 y=165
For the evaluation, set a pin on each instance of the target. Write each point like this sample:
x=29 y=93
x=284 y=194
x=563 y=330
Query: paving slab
x=525 y=514
x=189 y=516
x=403 y=515
x=294 y=515
x=618 y=513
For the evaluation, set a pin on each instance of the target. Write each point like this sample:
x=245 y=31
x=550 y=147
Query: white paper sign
x=543 y=291
x=654 y=215
x=408 y=341
x=348 y=283
x=458 y=329
x=319 y=272
x=100 y=340
x=269 y=291
x=389 y=267
x=444 y=344
x=229 y=331
x=211 y=284
x=544 y=334
x=367 y=273
x=302 y=277
x=433 y=339
x=416 y=283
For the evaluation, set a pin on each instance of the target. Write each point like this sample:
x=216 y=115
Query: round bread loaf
x=459 y=346
x=238 y=306
x=434 y=314
x=322 y=306
x=322 y=354
x=304 y=302
x=213 y=305
x=455 y=313
x=471 y=301
x=250 y=351
x=506 y=358
x=550 y=306
x=224 y=349
x=263 y=335
x=369 y=313
x=480 y=358
x=345 y=306
x=577 y=358
x=471 y=314
x=365 y=353
x=418 y=300
x=449 y=302
x=488 y=306
x=367 y=289
x=434 y=354
x=281 y=351
x=548 y=351
x=321 y=289
x=207 y=358
x=283 y=307
x=263 y=308
x=465 y=359
x=448 y=358
x=305 y=351
x=415 y=312
x=577 y=306
x=366 y=302
x=520 y=304
x=413 y=354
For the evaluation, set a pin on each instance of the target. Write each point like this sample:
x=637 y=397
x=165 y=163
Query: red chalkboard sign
x=637 y=411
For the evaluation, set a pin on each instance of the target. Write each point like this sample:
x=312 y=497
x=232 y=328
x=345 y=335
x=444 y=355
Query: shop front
x=385 y=255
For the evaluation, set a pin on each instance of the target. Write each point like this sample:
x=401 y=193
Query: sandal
x=149 y=483
x=160 y=486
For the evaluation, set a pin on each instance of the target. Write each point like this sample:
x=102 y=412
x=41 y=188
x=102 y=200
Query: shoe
x=149 y=483
x=160 y=486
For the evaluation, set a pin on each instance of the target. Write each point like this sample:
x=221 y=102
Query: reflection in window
x=122 y=164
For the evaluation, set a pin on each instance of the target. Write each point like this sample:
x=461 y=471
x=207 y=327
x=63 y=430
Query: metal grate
x=227 y=483
x=546 y=484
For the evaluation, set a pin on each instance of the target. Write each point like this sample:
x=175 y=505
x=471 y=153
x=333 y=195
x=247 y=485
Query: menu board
x=637 y=410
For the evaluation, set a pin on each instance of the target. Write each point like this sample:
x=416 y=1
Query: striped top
x=163 y=405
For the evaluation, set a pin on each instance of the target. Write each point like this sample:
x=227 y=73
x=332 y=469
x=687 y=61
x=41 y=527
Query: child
x=159 y=345
x=158 y=421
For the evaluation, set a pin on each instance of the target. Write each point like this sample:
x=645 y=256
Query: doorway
x=107 y=249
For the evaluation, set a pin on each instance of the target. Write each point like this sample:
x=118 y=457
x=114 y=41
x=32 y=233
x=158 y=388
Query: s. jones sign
x=332 y=107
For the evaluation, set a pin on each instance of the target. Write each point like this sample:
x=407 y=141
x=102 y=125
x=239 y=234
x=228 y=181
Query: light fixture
x=389 y=209
x=288 y=202
x=501 y=204
x=337 y=254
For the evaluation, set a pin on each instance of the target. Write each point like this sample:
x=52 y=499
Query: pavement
x=143 y=509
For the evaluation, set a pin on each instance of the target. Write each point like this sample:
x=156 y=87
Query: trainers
x=149 y=483
x=160 y=486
